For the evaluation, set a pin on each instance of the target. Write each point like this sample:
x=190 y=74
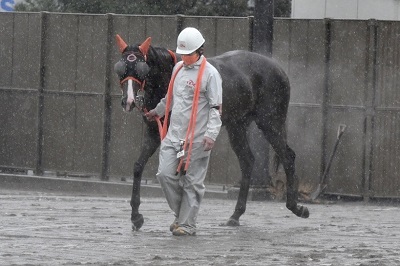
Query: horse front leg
x=240 y=145
x=150 y=144
x=137 y=218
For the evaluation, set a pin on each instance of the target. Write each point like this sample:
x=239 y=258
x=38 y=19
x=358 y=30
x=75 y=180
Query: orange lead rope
x=163 y=133
x=161 y=130
x=193 y=116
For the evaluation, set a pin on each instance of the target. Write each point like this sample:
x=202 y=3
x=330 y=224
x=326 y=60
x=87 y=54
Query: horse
x=255 y=88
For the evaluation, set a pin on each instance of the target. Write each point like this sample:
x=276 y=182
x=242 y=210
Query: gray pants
x=183 y=192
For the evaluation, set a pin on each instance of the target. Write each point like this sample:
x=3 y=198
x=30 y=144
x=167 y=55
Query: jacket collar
x=196 y=64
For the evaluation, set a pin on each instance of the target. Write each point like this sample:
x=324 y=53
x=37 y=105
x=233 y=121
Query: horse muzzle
x=133 y=95
x=129 y=97
x=127 y=106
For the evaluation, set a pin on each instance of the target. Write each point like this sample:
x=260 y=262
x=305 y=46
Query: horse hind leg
x=292 y=187
x=240 y=145
x=277 y=139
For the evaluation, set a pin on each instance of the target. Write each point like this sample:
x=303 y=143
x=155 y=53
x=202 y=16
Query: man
x=194 y=98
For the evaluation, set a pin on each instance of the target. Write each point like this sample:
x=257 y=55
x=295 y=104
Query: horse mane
x=161 y=63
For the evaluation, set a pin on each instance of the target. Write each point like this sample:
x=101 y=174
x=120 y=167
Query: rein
x=158 y=119
x=142 y=84
x=163 y=133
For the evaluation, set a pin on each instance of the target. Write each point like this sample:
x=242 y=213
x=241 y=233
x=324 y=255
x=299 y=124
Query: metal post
x=107 y=102
x=326 y=95
x=261 y=42
x=42 y=72
x=179 y=23
x=370 y=108
x=251 y=33
x=263 y=26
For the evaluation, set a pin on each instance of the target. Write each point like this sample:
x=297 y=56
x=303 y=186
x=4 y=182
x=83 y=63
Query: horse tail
x=277 y=162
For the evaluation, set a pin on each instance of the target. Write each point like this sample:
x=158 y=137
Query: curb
x=86 y=187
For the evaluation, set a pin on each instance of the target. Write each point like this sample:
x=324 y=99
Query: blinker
x=119 y=68
x=142 y=69
x=131 y=66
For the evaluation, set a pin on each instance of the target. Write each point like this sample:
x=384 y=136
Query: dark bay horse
x=255 y=88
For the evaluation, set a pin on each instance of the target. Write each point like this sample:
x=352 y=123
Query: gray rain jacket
x=208 y=122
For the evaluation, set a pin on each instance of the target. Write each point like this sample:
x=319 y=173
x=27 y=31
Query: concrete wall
x=59 y=97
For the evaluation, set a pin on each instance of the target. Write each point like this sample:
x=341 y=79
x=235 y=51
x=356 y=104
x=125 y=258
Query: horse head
x=132 y=70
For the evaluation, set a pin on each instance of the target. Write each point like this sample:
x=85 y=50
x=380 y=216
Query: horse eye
x=119 y=68
x=142 y=69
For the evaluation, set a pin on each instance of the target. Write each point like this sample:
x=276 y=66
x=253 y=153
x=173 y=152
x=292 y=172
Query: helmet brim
x=184 y=52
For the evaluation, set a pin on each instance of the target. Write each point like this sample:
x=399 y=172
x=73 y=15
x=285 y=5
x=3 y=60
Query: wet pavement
x=56 y=228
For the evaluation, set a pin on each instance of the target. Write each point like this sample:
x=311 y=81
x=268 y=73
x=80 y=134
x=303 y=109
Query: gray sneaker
x=180 y=231
x=173 y=226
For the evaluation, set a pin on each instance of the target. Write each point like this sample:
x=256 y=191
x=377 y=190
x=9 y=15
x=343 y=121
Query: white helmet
x=189 y=40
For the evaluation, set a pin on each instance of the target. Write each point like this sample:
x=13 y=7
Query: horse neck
x=161 y=63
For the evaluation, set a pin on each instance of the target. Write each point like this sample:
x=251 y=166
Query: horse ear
x=121 y=43
x=144 y=47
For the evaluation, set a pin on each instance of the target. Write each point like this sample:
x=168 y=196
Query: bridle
x=138 y=99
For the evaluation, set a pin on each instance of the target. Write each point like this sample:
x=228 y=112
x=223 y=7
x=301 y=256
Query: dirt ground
x=55 y=229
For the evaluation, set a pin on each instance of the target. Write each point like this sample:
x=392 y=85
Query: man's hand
x=208 y=143
x=151 y=115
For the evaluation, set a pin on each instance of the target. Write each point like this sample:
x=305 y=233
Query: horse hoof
x=304 y=213
x=231 y=222
x=300 y=211
x=137 y=223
